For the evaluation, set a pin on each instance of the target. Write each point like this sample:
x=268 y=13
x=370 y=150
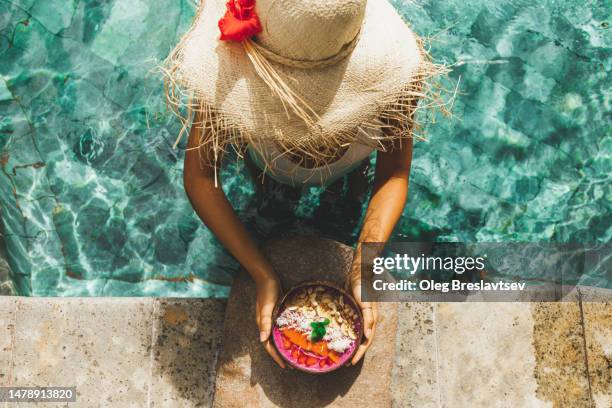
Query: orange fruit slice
x=320 y=348
x=286 y=343
x=297 y=338
x=333 y=356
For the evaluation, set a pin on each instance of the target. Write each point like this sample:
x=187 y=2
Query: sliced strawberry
x=295 y=353
x=311 y=361
x=302 y=359
x=323 y=363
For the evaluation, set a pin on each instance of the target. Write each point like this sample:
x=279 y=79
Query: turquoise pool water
x=90 y=187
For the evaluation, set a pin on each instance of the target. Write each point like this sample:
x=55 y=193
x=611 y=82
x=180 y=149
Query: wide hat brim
x=386 y=66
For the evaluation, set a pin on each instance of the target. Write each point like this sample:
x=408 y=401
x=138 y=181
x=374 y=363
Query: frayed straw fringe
x=395 y=115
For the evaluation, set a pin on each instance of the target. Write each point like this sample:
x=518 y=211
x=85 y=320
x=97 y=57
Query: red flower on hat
x=240 y=21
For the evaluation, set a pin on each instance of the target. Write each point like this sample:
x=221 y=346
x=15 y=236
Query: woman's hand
x=268 y=291
x=370 y=317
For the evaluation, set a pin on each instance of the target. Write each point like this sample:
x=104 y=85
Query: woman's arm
x=384 y=210
x=389 y=192
x=213 y=208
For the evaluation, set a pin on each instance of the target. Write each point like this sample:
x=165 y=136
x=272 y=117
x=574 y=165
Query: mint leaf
x=318 y=330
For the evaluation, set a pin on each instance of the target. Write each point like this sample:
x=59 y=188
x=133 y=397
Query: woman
x=311 y=88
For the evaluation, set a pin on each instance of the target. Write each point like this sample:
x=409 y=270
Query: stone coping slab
x=140 y=352
x=149 y=352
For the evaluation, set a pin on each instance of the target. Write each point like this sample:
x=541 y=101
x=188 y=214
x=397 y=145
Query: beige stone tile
x=187 y=340
x=559 y=350
x=99 y=345
x=598 y=336
x=415 y=382
x=7 y=318
x=486 y=357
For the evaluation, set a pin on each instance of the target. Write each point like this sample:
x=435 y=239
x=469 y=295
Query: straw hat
x=313 y=74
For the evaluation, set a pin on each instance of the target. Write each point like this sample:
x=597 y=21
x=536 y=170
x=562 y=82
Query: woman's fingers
x=374 y=314
x=267 y=294
x=361 y=351
x=365 y=345
x=273 y=353
x=370 y=315
x=265 y=321
x=368 y=319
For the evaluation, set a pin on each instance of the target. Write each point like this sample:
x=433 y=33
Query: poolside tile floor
x=162 y=352
x=101 y=346
x=187 y=340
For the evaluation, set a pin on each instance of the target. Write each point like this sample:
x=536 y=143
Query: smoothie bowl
x=317 y=327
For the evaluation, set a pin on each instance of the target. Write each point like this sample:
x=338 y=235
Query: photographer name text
x=445 y=287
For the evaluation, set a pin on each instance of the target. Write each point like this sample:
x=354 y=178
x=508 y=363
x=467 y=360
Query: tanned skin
x=210 y=203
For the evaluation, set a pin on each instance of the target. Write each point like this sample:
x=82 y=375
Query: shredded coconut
x=290 y=318
x=295 y=320
x=333 y=334
x=340 y=344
